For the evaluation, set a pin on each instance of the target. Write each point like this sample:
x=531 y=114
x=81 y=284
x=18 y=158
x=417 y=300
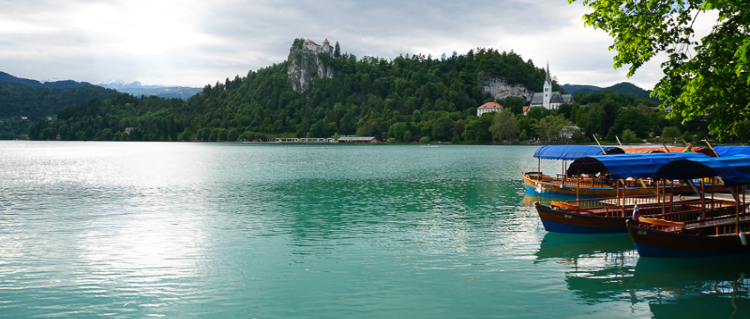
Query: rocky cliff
x=500 y=89
x=306 y=65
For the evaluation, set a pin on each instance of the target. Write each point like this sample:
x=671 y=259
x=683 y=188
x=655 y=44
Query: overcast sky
x=193 y=43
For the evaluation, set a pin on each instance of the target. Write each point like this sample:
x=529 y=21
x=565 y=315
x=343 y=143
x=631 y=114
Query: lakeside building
x=358 y=139
x=343 y=139
x=550 y=99
x=301 y=140
x=489 y=107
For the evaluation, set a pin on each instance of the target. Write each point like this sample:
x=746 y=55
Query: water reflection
x=605 y=269
x=715 y=288
x=573 y=246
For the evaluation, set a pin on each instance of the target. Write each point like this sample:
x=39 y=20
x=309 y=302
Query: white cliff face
x=500 y=89
x=305 y=65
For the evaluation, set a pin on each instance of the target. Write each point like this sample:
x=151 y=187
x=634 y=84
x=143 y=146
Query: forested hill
x=623 y=87
x=404 y=99
x=23 y=101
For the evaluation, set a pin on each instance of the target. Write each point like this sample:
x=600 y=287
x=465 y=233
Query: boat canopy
x=731 y=150
x=627 y=165
x=572 y=152
x=652 y=149
x=734 y=170
x=661 y=149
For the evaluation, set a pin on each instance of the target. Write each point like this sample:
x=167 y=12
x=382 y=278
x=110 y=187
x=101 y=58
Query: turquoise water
x=218 y=230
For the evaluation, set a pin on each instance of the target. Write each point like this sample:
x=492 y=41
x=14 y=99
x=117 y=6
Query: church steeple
x=547 y=89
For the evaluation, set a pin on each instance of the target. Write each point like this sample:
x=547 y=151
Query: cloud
x=194 y=43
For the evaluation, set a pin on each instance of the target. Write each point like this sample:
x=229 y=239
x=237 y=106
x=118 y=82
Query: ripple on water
x=307 y=231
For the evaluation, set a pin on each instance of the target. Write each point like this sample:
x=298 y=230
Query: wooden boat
x=724 y=234
x=560 y=184
x=608 y=215
x=591 y=187
x=585 y=183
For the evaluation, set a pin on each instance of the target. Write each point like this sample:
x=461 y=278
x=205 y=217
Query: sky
x=194 y=43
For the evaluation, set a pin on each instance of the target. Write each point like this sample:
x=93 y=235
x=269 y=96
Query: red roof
x=310 y=41
x=491 y=105
x=326 y=41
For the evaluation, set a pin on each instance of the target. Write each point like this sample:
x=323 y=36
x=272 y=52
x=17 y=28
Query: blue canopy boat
x=574 y=152
x=608 y=215
x=716 y=229
x=560 y=184
x=723 y=151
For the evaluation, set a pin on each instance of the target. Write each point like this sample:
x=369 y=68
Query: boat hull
x=573 y=223
x=659 y=244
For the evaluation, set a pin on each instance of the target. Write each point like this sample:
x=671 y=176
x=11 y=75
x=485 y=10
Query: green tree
x=398 y=130
x=707 y=77
x=214 y=135
x=514 y=104
x=505 y=126
x=636 y=119
x=247 y=136
x=223 y=134
x=407 y=136
x=106 y=135
x=670 y=133
x=550 y=126
x=232 y=135
x=319 y=129
x=629 y=137
x=441 y=129
x=186 y=134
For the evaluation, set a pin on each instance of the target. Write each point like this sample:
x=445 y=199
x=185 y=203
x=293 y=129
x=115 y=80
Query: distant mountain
x=576 y=88
x=7 y=79
x=624 y=87
x=137 y=89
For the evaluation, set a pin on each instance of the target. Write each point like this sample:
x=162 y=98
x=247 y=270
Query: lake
x=243 y=230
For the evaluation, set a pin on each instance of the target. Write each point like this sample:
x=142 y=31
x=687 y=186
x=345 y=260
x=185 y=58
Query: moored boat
x=540 y=183
x=608 y=215
x=723 y=234
x=588 y=184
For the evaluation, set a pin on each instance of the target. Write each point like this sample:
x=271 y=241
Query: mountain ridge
x=622 y=87
x=7 y=79
x=138 y=89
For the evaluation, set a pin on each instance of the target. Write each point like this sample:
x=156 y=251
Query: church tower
x=547 y=89
x=327 y=47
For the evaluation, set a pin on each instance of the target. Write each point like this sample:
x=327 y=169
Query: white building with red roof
x=489 y=107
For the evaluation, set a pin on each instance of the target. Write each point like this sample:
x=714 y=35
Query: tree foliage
x=405 y=99
x=505 y=126
x=706 y=78
x=35 y=103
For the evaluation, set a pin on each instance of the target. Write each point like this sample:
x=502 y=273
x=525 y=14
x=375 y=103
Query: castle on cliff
x=317 y=48
x=305 y=63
